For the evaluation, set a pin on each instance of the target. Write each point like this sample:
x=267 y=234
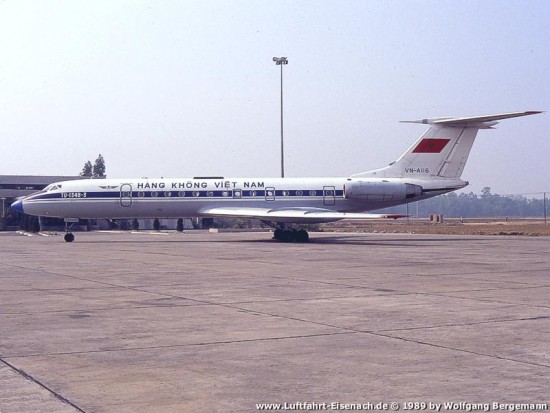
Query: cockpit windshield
x=51 y=187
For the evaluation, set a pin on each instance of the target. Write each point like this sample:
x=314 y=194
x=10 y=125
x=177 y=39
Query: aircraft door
x=125 y=195
x=329 y=195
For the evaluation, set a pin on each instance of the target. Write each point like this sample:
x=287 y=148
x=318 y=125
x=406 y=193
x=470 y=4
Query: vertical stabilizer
x=442 y=151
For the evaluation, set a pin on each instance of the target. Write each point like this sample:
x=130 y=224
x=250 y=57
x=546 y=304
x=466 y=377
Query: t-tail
x=442 y=151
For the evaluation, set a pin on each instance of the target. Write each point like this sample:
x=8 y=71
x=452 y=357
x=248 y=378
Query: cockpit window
x=51 y=187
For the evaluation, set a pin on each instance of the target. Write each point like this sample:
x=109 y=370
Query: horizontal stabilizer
x=480 y=122
x=298 y=215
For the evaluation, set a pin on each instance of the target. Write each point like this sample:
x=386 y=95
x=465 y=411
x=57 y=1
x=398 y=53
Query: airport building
x=15 y=186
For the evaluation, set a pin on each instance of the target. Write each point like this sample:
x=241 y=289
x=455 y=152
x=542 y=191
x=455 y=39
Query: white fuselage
x=189 y=197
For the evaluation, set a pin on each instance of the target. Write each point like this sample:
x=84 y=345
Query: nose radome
x=17 y=206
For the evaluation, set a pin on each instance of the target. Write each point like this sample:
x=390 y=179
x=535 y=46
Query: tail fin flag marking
x=431 y=145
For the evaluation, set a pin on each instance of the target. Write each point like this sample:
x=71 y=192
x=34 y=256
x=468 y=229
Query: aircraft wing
x=292 y=215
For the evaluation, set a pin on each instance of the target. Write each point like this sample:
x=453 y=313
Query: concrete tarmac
x=219 y=322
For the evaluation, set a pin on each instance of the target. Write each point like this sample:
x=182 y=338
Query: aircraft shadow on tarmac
x=405 y=241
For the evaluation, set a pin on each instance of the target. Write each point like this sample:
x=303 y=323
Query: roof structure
x=14 y=186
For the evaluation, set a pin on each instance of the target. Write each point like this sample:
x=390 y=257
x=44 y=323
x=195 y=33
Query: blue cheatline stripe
x=225 y=194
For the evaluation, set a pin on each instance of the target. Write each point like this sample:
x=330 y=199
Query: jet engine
x=381 y=191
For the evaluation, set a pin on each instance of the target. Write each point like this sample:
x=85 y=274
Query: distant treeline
x=476 y=206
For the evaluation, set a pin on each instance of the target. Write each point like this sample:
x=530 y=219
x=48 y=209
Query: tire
x=302 y=236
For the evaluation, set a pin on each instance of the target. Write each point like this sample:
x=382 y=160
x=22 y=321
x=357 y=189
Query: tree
x=99 y=167
x=470 y=205
x=87 y=169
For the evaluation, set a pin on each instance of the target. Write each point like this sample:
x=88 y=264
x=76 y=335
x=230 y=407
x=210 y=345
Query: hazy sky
x=188 y=88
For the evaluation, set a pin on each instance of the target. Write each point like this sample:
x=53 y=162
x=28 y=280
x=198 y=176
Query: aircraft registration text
x=417 y=170
x=73 y=195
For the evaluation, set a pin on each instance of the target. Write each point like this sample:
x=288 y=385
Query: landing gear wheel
x=291 y=235
x=286 y=236
x=278 y=234
x=301 y=236
x=69 y=237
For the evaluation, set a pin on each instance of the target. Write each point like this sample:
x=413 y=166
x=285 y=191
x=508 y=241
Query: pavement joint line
x=483 y=300
x=373 y=333
x=106 y=283
x=527 y=285
x=281 y=277
x=62 y=289
x=442 y=293
x=206 y=343
x=482 y=272
x=348 y=330
x=91 y=310
x=536 y=318
x=122 y=287
x=378 y=334
x=514 y=282
x=39 y=383
x=523 y=287
x=494 y=356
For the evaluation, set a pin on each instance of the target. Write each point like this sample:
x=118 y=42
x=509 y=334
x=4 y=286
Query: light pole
x=280 y=61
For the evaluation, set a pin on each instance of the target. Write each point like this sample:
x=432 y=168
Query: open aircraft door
x=329 y=195
x=125 y=195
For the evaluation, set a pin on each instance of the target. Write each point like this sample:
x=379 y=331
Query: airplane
x=432 y=166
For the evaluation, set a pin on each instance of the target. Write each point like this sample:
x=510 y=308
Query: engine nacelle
x=381 y=191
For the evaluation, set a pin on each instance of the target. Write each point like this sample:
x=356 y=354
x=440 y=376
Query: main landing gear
x=291 y=235
x=284 y=234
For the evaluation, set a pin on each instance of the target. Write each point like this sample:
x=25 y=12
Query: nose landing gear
x=69 y=222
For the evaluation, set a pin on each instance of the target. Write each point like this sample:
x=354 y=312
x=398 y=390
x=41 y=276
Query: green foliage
x=87 y=169
x=470 y=205
x=97 y=170
x=99 y=167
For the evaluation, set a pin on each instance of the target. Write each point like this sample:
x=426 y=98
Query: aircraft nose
x=17 y=206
